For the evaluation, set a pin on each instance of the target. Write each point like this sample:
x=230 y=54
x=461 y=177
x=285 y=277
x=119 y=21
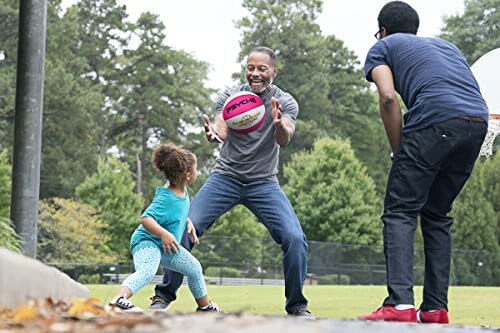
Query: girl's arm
x=168 y=240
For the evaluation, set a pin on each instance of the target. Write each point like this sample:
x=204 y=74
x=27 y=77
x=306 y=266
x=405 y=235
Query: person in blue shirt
x=156 y=241
x=433 y=155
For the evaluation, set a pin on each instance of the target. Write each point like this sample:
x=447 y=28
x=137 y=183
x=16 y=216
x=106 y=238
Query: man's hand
x=276 y=111
x=169 y=242
x=283 y=127
x=192 y=232
x=210 y=131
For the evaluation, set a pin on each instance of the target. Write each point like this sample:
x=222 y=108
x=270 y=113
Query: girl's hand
x=192 y=232
x=169 y=243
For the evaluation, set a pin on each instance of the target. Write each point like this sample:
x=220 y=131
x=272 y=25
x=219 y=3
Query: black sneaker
x=158 y=304
x=211 y=307
x=125 y=305
x=303 y=312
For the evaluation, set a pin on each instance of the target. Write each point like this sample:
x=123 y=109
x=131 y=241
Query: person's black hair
x=173 y=161
x=398 y=16
x=268 y=51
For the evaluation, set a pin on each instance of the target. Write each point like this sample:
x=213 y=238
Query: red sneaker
x=437 y=317
x=389 y=313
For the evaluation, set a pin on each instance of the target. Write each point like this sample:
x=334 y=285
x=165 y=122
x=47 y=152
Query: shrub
x=222 y=271
x=333 y=279
x=89 y=278
x=8 y=237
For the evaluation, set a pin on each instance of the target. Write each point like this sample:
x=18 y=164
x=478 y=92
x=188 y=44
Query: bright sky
x=206 y=29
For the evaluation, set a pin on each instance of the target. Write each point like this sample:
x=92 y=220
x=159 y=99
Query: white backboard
x=487 y=72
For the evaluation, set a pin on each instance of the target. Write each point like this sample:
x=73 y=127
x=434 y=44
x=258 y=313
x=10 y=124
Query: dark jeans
x=267 y=201
x=430 y=168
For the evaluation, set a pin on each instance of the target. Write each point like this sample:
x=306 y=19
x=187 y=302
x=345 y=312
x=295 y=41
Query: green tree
x=476 y=229
x=68 y=150
x=9 y=23
x=162 y=99
x=103 y=33
x=333 y=195
x=476 y=223
x=491 y=174
x=69 y=144
x=110 y=191
x=69 y=231
x=88 y=107
x=238 y=222
x=6 y=184
x=8 y=237
x=234 y=239
x=477 y=30
x=324 y=77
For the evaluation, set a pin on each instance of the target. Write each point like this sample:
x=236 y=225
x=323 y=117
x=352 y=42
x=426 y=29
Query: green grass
x=471 y=306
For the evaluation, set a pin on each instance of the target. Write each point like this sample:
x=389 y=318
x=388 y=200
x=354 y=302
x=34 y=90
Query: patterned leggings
x=147 y=259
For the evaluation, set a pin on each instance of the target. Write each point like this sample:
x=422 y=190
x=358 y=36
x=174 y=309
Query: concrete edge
x=23 y=279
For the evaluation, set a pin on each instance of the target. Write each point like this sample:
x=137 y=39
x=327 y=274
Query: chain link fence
x=236 y=260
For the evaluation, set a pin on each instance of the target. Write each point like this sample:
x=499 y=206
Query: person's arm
x=390 y=110
x=191 y=230
x=167 y=239
x=283 y=126
x=216 y=132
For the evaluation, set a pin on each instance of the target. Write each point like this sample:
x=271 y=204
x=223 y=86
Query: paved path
x=274 y=324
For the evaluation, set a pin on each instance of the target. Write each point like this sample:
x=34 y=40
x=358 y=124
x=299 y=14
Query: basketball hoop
x=487 y=72
x=493 y=130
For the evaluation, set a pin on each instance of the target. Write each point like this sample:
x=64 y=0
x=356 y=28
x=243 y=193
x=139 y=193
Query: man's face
x=260 y=72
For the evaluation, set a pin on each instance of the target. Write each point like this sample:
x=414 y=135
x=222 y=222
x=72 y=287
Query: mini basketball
x=244 y=112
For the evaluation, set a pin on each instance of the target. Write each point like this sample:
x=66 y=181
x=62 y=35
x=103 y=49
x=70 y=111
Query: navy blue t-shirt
x=432 y=77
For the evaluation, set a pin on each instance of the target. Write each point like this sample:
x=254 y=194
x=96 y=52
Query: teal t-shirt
x=170 y=211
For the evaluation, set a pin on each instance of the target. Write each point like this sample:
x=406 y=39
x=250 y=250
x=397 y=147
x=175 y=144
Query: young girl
x=156 y=241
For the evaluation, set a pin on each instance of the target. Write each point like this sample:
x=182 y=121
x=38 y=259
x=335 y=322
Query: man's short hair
x=398 y=16
x=268 y=51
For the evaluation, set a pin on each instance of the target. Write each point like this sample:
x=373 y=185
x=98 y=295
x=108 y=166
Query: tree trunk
x=142 y=157
x=139 y=174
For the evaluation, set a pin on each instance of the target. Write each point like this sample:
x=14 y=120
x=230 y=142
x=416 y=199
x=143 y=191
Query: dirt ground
x=88 y=315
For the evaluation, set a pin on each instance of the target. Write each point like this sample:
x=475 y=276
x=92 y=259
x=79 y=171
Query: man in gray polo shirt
x=245 y=173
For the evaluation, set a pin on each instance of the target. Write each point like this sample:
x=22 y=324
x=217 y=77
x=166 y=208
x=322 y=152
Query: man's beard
x=266 y=84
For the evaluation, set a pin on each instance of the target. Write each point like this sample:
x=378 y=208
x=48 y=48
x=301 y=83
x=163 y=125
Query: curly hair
x=173 y=161
x=398 y=16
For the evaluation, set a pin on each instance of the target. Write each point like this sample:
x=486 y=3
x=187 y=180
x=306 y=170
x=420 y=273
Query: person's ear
x=275 y=73
x=383 y=32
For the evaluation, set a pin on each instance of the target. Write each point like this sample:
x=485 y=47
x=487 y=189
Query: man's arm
x=283 y=126
x=283 y=131
x=390 y=111
x=220 y=126
x=216 y=132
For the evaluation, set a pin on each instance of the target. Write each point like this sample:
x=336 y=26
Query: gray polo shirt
x=254 y=155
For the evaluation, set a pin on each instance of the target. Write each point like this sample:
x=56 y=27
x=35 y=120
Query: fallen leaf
x=24 y=313
x=87 y=306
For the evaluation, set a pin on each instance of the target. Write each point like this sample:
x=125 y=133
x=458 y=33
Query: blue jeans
x=430 y=168
x=266 y=200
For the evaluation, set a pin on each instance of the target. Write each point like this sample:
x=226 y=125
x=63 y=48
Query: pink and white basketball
x=244 y=112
